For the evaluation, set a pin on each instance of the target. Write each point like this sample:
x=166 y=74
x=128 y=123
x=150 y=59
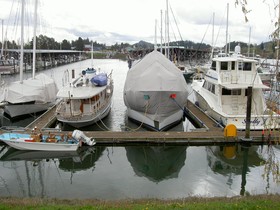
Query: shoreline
x=236 y=202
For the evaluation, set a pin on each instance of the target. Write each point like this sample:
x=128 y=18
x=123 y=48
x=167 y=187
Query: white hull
x=259 y=122
x=16 y=110
x=41 y=146
x=48 y=142
x=149 y=121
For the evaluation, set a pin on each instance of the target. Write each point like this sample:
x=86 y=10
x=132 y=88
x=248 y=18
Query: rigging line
x=175 y=22
x=202 y=39
x=215 y=43
x=106 y=128
x=145 y=113
x=183 y=109
x=173 y=33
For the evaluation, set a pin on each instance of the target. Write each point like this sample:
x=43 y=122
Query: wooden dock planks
x=212 y=135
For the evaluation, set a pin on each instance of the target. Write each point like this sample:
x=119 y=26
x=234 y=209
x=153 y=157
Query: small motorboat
x=47 y=142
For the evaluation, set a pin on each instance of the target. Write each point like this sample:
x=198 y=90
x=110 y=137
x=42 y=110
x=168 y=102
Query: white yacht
x=223 y=94
x=86 y=100
x=155 y=92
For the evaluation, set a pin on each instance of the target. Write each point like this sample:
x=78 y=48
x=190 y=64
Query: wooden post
x=248 y=111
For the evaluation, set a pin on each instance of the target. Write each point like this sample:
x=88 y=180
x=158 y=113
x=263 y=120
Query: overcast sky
x=129 y=21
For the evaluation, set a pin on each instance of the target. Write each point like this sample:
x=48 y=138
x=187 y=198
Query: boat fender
x=80 y=136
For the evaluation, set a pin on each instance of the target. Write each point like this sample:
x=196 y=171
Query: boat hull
x=41 y=146
x=148 y=120
x=17 y=110
x=40 y=142
x=85 y=120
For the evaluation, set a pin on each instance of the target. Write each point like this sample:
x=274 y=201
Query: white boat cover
x=41 y=89
x=157 y=78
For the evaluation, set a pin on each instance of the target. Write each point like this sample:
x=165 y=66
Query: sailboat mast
x=167 y=28
x=249 y=42
x=155 y=46
x=2 y=39
x=213 y=27
x=21 y=42
x=34 y=39
x=226 y=50
x=91 y=54
x=161 y=31
x=278 y=41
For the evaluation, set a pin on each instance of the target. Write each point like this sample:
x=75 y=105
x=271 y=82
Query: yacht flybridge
x=223 y=94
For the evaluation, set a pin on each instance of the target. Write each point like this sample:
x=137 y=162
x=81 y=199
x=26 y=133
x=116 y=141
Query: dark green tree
x=79 y=44
x=65 y=45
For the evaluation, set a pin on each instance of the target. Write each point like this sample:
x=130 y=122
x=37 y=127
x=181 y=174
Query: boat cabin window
x=245 y=66
x=213 y=66
x=209 y=86
x=232 y=65
x=228 y=92
x=224 y=65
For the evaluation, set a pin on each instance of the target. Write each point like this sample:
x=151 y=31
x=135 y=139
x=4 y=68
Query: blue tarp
x=99 y=79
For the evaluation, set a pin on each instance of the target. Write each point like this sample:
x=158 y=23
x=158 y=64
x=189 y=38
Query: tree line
x=45 y=42
x=266 y=50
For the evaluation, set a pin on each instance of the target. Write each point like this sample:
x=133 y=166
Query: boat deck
x=209 y=134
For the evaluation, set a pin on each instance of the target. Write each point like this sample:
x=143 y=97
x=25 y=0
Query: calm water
x=135 y=172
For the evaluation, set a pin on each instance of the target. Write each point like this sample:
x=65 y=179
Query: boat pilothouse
x=86 y=100
x=223 y=93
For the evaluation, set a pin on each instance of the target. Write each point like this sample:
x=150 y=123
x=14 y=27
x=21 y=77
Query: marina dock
x=209 y=133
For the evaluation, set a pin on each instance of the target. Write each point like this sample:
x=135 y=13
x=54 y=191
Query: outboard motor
x=80 y=136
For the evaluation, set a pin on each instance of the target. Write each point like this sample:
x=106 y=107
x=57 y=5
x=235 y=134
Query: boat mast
x=278 y=42
x=167 y=28
x=91 y=54
x=249 y=42
x=213 y=27
x=21 y=43
x=165 y=36
x=155 y=46
x=161 y=31
x=2 y=48
x=226 y=50
x=34 y=39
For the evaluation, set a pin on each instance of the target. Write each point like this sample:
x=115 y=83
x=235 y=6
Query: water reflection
x=12 y=154
x=234 y=160
x=86 y=159
x=229 y=159
x=38 y=173
x=82 y=159
x=156 y=163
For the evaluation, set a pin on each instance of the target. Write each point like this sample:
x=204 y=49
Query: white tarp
x=40 y=89
x=157 y=78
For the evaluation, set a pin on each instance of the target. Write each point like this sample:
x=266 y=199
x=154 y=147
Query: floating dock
x=209 y=133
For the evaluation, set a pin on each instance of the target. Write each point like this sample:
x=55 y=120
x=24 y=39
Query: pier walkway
x=209 y=133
